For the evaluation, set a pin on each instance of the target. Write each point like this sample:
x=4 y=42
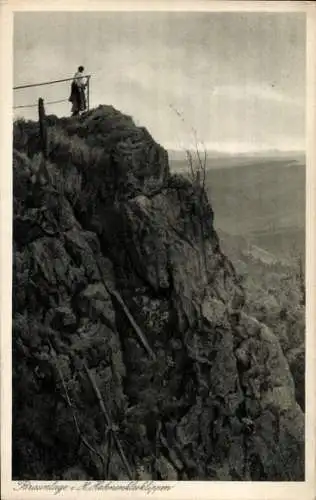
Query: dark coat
x=77 y=97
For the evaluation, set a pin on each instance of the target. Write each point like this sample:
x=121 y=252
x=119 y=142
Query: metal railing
x=52 y=82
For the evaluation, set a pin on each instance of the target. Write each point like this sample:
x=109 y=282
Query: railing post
x=42 y=175
x=88 y=93
x=42 y=124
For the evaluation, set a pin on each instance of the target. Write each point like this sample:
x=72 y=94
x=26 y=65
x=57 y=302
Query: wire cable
x=23 y=106
x=47 y=83
x=35 y=105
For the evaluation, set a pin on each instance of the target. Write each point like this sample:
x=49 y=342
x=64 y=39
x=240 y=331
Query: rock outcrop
x=132 y=356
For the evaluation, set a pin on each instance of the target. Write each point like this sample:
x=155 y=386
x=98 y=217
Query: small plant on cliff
x=197 y=166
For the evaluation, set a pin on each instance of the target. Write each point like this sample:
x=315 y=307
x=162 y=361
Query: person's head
x=81 y=69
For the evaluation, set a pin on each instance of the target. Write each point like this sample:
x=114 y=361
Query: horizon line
x=246 y=151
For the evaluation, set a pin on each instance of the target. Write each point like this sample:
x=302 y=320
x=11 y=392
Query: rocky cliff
x=132 y=356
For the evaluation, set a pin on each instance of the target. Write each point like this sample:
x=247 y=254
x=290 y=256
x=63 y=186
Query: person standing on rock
x=77 y=96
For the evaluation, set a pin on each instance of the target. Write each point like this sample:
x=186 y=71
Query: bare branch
x=74 y=417
x=108 y=421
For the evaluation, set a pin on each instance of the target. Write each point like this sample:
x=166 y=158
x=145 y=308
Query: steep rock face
x=119 y=277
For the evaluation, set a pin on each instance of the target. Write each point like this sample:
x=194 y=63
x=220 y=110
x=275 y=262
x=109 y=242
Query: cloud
x=216 y=73
x=252 y=92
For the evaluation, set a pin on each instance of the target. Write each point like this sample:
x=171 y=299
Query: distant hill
x=220 y=159
x=261 y=201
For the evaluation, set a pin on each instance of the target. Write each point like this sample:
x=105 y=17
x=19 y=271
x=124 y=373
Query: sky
x=235 y=81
